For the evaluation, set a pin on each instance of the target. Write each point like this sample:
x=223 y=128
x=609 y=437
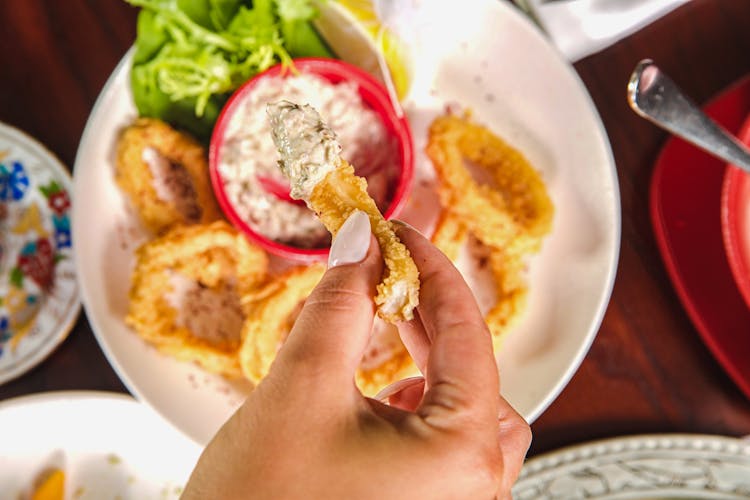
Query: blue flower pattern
x=13 y=183
x=5 y=333
x=62 y=231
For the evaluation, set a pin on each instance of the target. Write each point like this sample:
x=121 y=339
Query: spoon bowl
x=654 y=96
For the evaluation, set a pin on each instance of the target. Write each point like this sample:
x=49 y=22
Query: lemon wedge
x=356 y=34
x=51 y=486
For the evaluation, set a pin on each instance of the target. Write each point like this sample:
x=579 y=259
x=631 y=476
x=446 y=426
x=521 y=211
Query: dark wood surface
x=647 y=371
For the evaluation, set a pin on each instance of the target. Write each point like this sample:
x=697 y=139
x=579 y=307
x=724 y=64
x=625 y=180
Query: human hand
x=307 y=432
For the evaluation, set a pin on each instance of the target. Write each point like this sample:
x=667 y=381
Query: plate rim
x=642 y=445
x=73 y=313
x=66 y=395
x=665 y=246
x=734 y=180
x=613 y=264
x=104 y=95
x=540 y=463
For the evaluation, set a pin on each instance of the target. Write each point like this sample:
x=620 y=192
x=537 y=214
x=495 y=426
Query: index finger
x=461 y=358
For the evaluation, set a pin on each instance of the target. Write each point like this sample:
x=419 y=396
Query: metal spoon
x=654 y=96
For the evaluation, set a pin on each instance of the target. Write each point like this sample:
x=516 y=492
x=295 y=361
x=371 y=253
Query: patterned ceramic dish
x=38 y=290
x=666 y=466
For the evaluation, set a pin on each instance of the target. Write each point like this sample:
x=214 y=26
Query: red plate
x=735 y=220
x=686 y=192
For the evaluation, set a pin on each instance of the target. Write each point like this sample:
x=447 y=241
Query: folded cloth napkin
x=582 y=27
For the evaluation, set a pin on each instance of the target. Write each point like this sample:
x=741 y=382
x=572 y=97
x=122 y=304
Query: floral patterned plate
x=661 y=466
x=39 y=299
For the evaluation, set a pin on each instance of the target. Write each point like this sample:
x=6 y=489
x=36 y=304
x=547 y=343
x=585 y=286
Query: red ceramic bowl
x=735 y=220
x=373 y=94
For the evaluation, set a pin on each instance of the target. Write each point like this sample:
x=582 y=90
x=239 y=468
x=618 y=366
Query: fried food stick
x=310 y=159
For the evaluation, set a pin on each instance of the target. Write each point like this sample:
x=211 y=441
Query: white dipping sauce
x=248 y=152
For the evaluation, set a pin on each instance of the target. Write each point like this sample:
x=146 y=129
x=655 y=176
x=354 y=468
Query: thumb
x=331 y=333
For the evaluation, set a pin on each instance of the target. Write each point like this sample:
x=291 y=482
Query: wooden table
x=647 y=371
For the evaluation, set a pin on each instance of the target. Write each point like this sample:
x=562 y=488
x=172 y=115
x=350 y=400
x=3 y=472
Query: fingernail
x=400 y=223
x=352 y=241
x=398 y=386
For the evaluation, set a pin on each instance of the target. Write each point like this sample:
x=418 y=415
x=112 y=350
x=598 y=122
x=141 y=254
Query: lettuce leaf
x=211 y=14
x=300 y=38
x=191 y=54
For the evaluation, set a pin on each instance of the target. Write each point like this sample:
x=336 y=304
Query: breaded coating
x=508 y=272
x=397 y=367
x=310 y=159
x=510 y=215
x=186 y=290
x=272 y=312
x=165 y=175
x=516 y=212
x=334 y=199
x=270 y=318
x=450 y=235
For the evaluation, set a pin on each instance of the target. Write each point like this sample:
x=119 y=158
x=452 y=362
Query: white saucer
x=107 y=445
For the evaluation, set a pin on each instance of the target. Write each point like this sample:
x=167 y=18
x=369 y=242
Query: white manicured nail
x=398 y=386
x=352 y=241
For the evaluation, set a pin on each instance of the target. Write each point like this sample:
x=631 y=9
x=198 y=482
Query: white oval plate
x=500 y=66
x=666 y=466
x=39 y=299
x=108 y=445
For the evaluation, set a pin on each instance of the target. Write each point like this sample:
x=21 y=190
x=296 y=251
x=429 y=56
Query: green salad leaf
x=191 y=54
x=211 y=14
x=300 y=38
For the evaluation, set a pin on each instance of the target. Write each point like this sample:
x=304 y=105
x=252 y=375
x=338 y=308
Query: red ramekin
x=373 y=94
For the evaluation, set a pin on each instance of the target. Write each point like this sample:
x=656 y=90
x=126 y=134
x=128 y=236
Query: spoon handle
x=654 y=96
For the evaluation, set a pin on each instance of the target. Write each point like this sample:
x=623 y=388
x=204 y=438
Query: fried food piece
x=334 y=199
x=386 y=360
x=515 y=212
x=186 y=290
x=272 y=313
x=508 y=273
x=511 y=293
x=270 y=318
x=165 y=174
x=510 y=215
x=450 y=235
x=310 y=160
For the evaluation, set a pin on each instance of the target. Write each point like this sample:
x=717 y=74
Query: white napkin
x=582 y=27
